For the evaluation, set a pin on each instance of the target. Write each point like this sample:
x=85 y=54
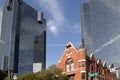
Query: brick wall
x=78 y=66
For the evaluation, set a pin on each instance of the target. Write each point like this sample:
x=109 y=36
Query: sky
x=63 y=25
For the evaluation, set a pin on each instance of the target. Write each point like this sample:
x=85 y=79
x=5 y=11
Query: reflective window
x=24 y=37
x=100 y=21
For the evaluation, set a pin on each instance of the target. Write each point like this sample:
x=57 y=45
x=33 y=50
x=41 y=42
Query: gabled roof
x=98 y=61
x=111 y=66
x=69 y=44
x=92 y=56
x=104 y=64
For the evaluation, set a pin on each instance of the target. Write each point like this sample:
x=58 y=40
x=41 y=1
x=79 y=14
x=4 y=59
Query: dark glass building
x=23 y=37
x=100 y=22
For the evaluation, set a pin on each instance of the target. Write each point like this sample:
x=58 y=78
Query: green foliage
x=2 y=75
x=52 y=73
x=7 y=78
x=44 y=75
x=30 y=76
x=53 y=69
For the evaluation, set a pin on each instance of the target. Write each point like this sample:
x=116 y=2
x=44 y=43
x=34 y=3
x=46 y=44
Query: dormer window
x=68 y=48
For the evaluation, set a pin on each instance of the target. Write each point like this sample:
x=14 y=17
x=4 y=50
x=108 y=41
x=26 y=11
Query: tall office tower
x=86 y=27
x=23 y=38
x=100 y=21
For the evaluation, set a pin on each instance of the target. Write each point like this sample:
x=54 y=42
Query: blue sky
x=63 y=24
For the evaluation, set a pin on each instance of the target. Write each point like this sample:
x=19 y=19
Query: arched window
x=69 y=65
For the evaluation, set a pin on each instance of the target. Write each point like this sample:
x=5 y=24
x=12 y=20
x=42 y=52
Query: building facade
x=23 y=37
x=100 y=29
x=77 y=65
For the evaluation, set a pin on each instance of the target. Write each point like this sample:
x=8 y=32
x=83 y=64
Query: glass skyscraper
x=23 y=37
x=100 y=22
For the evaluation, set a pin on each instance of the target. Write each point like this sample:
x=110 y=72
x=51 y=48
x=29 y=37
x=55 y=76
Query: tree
x=52 y=73
x=7 y=78
x=29 y=76
x=3 y=75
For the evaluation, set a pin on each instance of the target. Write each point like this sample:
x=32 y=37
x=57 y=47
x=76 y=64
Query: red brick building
x=78 y=66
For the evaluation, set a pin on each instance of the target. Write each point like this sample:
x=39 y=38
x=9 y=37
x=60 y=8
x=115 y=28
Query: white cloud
x=57 y=21
x=52 y=27
x=108 y=43
x=57 y=17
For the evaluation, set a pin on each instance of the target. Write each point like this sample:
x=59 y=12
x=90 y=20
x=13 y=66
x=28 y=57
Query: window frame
x=83 y=77
x=69 y=65
x=83 y=64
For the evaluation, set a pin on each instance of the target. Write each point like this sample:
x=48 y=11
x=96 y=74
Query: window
x=71 y=77
x=67 y=68
x=68 y=50
x=69 y=65
x=72 y=66
x=83 y=76
x=83 y=64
